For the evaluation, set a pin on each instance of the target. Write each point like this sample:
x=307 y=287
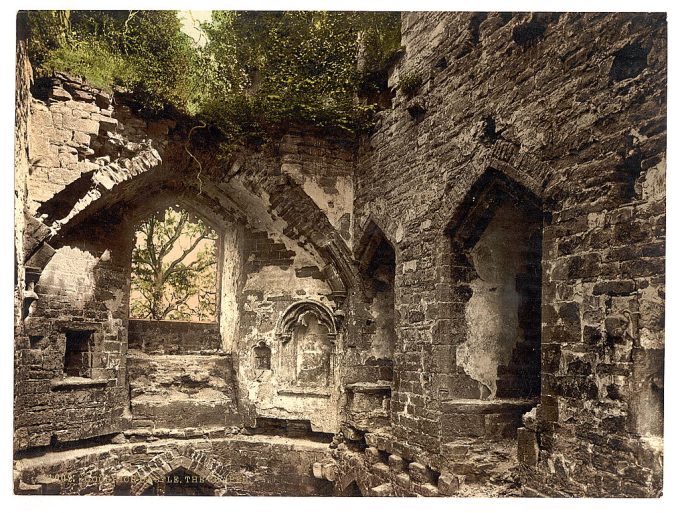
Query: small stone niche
x=78 y=354
x=263 y=357
x=307 y=331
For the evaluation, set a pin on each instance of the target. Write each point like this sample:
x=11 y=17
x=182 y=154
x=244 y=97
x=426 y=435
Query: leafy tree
x=258 y=71
x=272 y=68
x=174 y=268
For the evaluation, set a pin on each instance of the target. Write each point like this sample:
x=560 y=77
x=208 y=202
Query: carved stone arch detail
x=504 y=158
x=346 y=480
x=293 y=314
x=201 y=206
x=197 y=462
x=372 y=235
x=471 y=216
x=520 y=177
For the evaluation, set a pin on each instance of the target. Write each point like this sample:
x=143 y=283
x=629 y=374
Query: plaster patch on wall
x=335 y=204
x=491 y=332
x=277 y=281
x=113 y=305
x=71 y=271
x=654 y=185
x=384 y=339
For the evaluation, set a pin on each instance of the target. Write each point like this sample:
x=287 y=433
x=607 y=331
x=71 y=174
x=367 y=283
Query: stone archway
x=496 y=236
x=208 y=471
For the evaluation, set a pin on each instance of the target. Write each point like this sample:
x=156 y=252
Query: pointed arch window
x=174 y=268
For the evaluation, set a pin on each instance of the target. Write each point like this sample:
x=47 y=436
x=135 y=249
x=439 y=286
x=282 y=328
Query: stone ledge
x=314 y=392
x=479 y=406
x=75 y=383
x=368 y=388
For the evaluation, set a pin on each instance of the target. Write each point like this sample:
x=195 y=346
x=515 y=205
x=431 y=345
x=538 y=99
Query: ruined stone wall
x=182 y=391
x=75 y=132
x=231 y=465
x=99 y=169
x=24 y=75
x=81 y=285
x=82 y=289
x=388 y=467
x=281 y=270
x=565 y=112
x=572 y=108
x=173 y=337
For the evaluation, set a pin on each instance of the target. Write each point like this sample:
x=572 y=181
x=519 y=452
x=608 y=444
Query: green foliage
x=257 y=71
x=96 y=62
x=174 y=269
x=142 y=51
x=410 y=83
x=269 y=68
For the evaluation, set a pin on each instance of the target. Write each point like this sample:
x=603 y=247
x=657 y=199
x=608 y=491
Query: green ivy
x=257 y=71
x=410 y=83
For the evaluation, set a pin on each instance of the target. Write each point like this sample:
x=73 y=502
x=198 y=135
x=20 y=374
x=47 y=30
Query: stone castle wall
x=89 y=163
x=458 y=360
x=575 y=114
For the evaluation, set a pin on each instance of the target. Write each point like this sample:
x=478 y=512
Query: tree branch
x=184 y=254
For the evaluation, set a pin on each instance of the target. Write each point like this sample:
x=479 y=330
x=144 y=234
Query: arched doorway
x=181 y=482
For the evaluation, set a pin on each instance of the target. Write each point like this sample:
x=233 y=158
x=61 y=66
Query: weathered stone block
x=397 y=463
x=79 y=124
x=448 y=484
x=403 y=480
x=426 y=490
x=420 y=473
x=372 y=455
x=383 y=490
x=527 y=447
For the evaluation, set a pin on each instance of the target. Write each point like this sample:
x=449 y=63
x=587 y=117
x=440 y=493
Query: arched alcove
x=369 y=394
x=181 y=482
x=496 y=237
x=377 y=266
x=262 y=355
x=186 y=472
x=291 y=317
x=307 y=332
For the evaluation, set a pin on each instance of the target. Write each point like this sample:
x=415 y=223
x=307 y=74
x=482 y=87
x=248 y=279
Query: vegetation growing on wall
x=257 y=71
x=144 y=52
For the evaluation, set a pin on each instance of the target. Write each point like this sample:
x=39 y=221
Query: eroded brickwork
x=372 y=289
x=561 y=116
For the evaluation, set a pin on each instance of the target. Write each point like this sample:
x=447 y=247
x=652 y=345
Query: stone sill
x=76 y=383
x=143 y=434
x=361 y=416
x=168 y=322
x=369 y=388
x=138 y=353
x=477 y=406
x=308 y=392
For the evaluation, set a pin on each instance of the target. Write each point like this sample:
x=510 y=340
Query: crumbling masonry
x=467 y=301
